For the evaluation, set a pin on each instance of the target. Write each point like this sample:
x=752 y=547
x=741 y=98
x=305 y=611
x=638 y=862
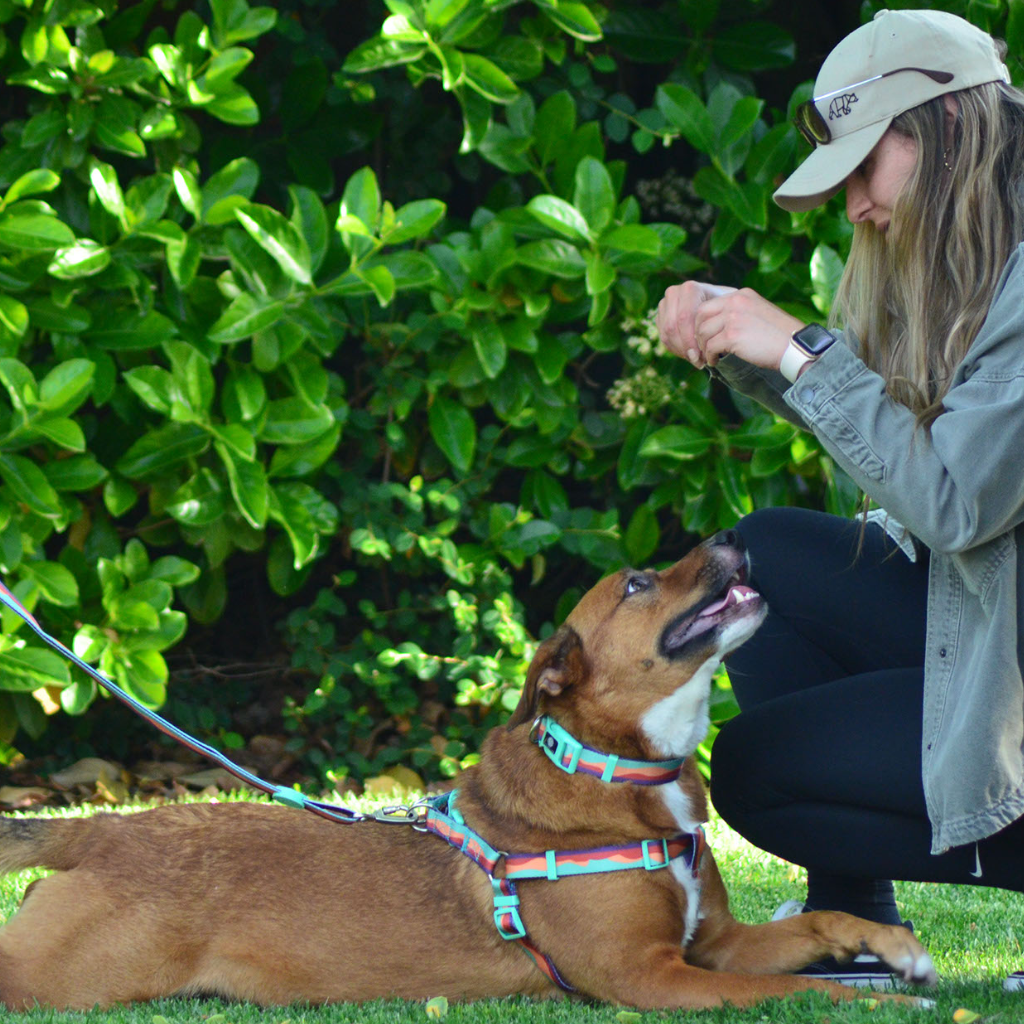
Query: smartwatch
x=805 y=346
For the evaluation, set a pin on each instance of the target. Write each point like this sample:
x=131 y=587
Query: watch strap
x=793 y=361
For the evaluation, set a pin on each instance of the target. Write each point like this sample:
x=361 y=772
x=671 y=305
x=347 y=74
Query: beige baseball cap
x=897 y=61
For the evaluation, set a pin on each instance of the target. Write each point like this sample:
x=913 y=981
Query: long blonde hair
x=916 y=296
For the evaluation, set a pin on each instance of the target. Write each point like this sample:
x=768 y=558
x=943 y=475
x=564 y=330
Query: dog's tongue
x=735 y=595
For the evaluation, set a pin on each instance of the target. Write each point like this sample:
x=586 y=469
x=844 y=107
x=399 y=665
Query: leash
x=282 y=794
x=439 y=815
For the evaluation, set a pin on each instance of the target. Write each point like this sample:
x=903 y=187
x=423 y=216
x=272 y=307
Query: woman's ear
x=952 y=113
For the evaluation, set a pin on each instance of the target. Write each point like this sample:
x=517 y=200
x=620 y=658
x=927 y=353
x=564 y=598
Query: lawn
x=972 y=933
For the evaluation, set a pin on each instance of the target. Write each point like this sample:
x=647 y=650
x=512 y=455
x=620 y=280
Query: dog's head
x=631 y=667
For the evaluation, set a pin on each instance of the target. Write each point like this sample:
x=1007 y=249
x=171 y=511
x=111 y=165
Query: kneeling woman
x=883 y=701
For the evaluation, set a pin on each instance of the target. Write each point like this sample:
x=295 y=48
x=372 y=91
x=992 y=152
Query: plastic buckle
x=660 y=844
x=507 y=907
x=556 y=747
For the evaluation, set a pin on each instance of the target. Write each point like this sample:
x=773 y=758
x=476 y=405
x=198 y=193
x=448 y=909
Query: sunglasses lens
x=812 y=125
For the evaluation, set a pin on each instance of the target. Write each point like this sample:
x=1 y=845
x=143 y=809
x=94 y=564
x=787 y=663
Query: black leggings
x=823 y=765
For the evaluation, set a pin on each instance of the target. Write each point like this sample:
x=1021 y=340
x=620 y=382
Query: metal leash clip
x=401 y=814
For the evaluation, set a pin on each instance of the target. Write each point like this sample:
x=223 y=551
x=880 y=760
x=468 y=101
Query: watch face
x=814 y=339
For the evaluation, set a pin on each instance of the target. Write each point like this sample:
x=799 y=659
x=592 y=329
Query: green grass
x=972 y=933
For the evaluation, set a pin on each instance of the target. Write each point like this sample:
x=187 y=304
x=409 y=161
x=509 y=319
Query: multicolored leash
x=282 y=794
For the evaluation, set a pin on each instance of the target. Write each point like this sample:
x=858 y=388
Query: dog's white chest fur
x=679 y=804
x=675 y=726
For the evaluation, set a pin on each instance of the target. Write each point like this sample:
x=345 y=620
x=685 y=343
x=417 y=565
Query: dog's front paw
x=901 y=950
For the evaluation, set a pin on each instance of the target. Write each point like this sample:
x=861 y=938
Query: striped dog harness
x=440 y=816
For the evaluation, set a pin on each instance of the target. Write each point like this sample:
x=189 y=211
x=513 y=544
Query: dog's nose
x=727 y=538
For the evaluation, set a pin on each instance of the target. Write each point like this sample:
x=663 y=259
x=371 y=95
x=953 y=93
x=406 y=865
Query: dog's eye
x=635 y=584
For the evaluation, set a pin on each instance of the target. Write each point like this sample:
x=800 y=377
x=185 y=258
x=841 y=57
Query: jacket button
x=942 y=652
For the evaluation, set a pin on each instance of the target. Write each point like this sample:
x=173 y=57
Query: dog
x=274 y=905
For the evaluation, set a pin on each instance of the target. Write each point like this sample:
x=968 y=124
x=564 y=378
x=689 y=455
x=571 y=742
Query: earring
x=945 y=160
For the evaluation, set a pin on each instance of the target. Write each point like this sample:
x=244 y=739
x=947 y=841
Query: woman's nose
x=858 y=206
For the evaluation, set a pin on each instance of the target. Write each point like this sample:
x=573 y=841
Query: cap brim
x=822 y=174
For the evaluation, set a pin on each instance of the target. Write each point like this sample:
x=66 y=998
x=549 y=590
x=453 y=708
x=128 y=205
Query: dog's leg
x=778 y=947
x=722 y=943
x=72 y=944
x=659 y=978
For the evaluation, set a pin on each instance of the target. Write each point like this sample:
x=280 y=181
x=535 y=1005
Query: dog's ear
x=558 y=663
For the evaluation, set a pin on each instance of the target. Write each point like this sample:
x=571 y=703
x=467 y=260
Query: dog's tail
x=40 y=842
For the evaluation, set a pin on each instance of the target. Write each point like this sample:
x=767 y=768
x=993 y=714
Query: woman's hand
x=702 y=322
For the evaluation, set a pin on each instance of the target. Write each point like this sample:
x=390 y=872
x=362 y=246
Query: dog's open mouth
x=733 y=602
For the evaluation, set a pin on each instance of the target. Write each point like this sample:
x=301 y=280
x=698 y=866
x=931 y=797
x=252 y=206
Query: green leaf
x=233 y=105
x=29 y=668
x=223 y=191
x=47 y=315
x=107 y=189
x=287 y=509
x=684 y=110
x=415 y=220
x=29 y=485
x=121 y=330
x=361 y=200
x=555 y=122
x=295 y=421
x=200 y=501
x=594 y=196
x=600 y=274
x=454 y=431
x=82 y=259
x=486 y=78
x=244 y=395
x=154 y=385
x=826 y=272
x=32 y=183
x=246 y=315
x=304 y=459
x=642 y=536
x=14 y=317
x=754 y=46
x=310 y=220
x=117 y=125
x=676 y=442
x=55 y=582
x=280 y=238
x=77 y=473
x=21 y=385
x=248 y=484
x=163 y=449
x=187 y=188
x=26 y=228
x=560 y=216
x=62 y=432
x=633 y=238
x=489 y=345
x=576 y=19
x=552 y=256
x=173 y=570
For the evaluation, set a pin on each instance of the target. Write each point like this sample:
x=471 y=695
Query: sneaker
x=1014 y=982
x=863 y=971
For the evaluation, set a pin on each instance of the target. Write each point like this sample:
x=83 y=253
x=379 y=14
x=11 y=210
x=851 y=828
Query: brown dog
x=276 y=905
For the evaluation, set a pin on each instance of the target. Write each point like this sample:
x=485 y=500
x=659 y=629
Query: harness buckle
x=506 y=917
x=661 y=845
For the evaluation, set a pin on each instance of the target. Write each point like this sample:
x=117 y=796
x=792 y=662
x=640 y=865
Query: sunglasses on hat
x=814 y=128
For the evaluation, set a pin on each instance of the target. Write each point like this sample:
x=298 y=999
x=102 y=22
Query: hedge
x=362 y=292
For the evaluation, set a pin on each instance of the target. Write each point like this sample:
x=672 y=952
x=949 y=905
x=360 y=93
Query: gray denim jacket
x=960 y=492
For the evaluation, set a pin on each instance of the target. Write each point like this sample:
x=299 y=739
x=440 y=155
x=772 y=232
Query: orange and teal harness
x=441 y=816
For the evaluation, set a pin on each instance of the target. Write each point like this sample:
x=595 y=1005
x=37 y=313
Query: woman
x=883 y=701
